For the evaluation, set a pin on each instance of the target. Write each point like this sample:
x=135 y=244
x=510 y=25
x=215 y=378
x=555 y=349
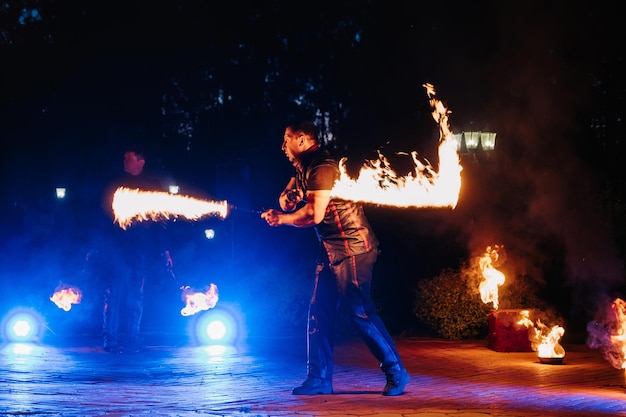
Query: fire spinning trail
x=377 y=183
x=136 y=205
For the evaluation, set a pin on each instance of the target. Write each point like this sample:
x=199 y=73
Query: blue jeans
x=346 y=285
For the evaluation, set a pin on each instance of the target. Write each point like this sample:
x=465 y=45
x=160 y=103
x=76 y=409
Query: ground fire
x=492 y=278
x=545 y=340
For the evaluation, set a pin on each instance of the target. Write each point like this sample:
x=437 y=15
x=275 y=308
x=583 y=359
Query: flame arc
x=378 y=183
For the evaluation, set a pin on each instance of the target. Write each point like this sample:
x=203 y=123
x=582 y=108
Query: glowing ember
x=136 y=205
x=608 y=332
x=197 y=301
x=492 y=277
x=379 y=184
x=65 y=296
x=544 y=340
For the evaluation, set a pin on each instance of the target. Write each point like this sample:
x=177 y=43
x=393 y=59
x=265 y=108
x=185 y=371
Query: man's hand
x=289 y=199
x=272 y=217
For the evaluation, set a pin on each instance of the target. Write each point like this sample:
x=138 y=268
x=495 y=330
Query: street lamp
x=477 y=144
x=472 y=140
x=488 y=141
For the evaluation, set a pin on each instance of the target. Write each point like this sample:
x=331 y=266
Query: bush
x=450 y=305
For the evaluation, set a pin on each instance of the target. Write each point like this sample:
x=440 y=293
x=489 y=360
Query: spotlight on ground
x=23 y=326
x=219 y=326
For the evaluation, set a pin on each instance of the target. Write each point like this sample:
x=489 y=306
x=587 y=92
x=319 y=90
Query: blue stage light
x=219 y=326
x=216 y=330
x=23 y=326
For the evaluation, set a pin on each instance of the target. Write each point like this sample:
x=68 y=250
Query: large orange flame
x=378 y=183
x=492 y=277
x=131 y=205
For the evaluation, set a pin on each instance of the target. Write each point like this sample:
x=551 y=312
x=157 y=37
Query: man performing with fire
x=348 y=252
x=130 y=256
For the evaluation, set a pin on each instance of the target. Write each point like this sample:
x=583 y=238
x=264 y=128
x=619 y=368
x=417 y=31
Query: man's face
x=132 y=164
x=291 y=146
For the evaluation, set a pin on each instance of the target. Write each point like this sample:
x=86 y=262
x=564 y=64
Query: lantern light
x=488 y=141
x=472 y=139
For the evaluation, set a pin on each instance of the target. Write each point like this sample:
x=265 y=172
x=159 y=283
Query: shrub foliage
x=451 y=306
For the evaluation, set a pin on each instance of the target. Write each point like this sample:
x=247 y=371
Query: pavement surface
x=173 y=378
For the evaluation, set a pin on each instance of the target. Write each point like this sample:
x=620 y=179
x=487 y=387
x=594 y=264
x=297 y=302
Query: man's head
x=298 y=138
x=134 y=161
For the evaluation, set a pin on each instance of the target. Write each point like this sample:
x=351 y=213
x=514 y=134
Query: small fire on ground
x=545 y=340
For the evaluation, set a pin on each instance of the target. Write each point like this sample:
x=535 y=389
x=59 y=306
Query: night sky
x=208 y=88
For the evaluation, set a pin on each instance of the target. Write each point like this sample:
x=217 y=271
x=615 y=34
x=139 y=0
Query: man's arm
x=308 y=215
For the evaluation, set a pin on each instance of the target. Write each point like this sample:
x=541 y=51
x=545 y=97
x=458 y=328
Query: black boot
x=314 y=386
x=397 y=378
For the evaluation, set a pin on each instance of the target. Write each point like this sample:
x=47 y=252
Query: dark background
x=208 y=88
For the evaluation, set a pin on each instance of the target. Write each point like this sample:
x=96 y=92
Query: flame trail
x=131 y=205
x=378 y=183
